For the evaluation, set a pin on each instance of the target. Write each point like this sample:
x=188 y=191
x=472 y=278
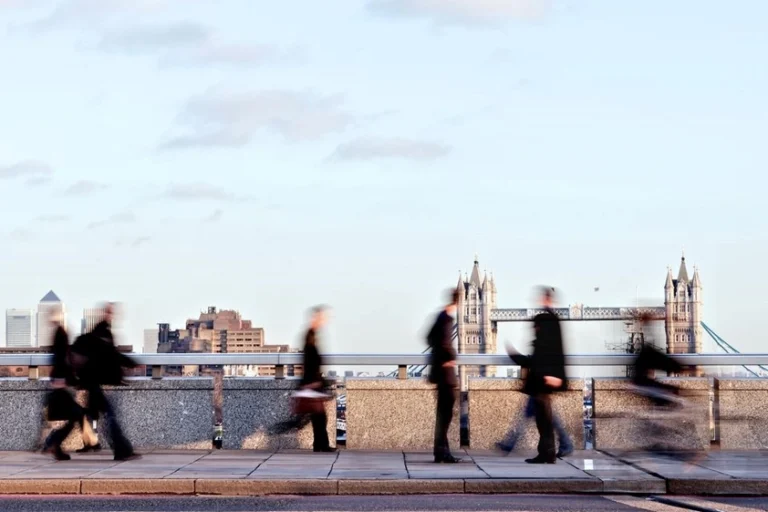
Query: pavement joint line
x=186 y=465
x=257 y=465
x=338 y=453
x=632 y=464
x=681 y=504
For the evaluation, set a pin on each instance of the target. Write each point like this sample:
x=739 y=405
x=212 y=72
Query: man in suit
x=103 y=365
x=546 y=374
x=443 y=373
x=313 y=378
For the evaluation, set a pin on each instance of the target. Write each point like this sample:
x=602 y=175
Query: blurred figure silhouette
x=565 y=444
x=310 y=396
x=443 y=373
x=309 y=400
x=99 y=363
x=60 y=402
x=546 y=374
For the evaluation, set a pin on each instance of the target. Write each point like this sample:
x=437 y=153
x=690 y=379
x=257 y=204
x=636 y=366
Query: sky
x=265 y=157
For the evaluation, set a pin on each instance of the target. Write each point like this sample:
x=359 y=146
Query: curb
x=254 y=487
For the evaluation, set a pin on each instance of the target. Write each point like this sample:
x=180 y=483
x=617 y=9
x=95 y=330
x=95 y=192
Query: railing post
x=34 y=373
x=402 y=372
x=157 y=371
x=279 y=371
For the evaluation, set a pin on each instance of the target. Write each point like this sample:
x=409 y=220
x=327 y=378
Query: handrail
x=389 y=359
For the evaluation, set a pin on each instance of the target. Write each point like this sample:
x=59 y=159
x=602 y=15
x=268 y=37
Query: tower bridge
x=478 y=315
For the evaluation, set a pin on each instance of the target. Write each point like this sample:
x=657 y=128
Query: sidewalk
x=246 y=472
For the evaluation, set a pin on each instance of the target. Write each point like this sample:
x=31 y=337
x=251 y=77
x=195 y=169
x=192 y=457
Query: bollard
x=402 y=372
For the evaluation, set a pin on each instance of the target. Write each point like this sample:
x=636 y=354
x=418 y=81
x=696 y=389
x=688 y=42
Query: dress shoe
x=564 y=452
x=447 y=459
x=57 y=453
x=90 y=448
x=540 y=460
x=125 y=457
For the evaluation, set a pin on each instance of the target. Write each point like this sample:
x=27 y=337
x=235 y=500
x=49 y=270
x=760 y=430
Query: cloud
x=138 y=242
x=212 y=54
x=380 y=148
x=219 y=139
x=118 y=218
x=196 y=192
x=461 y=12
x=91 y=13
x=215 y=216
x=186 y=44
x=52 y=219
x=20 y=235
x=84 y=188
x=30 y=169
x=218 y=119
x=141 y=39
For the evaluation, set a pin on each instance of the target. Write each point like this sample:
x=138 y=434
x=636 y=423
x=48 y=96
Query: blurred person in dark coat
x=99 y=364
x=60 y=402
x=443 y=373
x=312 y=380
x=546 y=374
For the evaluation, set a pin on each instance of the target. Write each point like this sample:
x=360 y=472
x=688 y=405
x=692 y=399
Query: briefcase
x=305 y=405
x=60 y=405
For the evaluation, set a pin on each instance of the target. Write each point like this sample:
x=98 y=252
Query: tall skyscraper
x=91 y=317
x=48 y=305
x=18 y=328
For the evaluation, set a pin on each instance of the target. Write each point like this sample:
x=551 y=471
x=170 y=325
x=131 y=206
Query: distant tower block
x=476 y=331
x=683 y=305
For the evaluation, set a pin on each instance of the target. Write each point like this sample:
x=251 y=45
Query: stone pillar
x=743 y=420
x=252 y=406
x=495 y=405
x=391 y=414
x=621 y=416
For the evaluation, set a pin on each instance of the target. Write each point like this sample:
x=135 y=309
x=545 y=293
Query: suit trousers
x=446 y=399
x=545 y=425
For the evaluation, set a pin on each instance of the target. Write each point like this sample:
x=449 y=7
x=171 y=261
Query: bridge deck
x=579 y=312
x=350 y=472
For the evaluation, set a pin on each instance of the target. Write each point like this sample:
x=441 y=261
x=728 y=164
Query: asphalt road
x=475 y=503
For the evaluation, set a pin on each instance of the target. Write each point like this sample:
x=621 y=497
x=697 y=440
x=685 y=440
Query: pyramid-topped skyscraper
x=49 y=304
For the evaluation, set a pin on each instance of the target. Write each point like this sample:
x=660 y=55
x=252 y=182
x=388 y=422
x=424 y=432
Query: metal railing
x=402 y=361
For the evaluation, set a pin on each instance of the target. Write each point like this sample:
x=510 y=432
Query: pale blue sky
x=175 y=154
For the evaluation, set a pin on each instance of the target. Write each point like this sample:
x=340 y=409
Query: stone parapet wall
x=743 y=413
x=496 y=405
x=252 y=405
x=623 y=420
x=393 y=414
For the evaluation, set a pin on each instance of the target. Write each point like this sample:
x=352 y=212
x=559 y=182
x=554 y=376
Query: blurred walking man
x=546 y=374
x=313 y=381
x=443 y=373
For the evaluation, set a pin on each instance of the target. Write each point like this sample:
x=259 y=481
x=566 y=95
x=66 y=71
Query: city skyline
x=358 y=154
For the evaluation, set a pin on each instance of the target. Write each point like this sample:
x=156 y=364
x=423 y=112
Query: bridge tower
x=476 y=331
x=683 y=304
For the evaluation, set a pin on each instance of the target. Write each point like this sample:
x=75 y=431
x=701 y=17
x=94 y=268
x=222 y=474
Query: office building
x=18 y=328
x=49 y=305
x=151 y=340
x=91 y=317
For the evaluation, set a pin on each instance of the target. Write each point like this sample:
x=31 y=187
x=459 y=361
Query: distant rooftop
x=50 y=297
